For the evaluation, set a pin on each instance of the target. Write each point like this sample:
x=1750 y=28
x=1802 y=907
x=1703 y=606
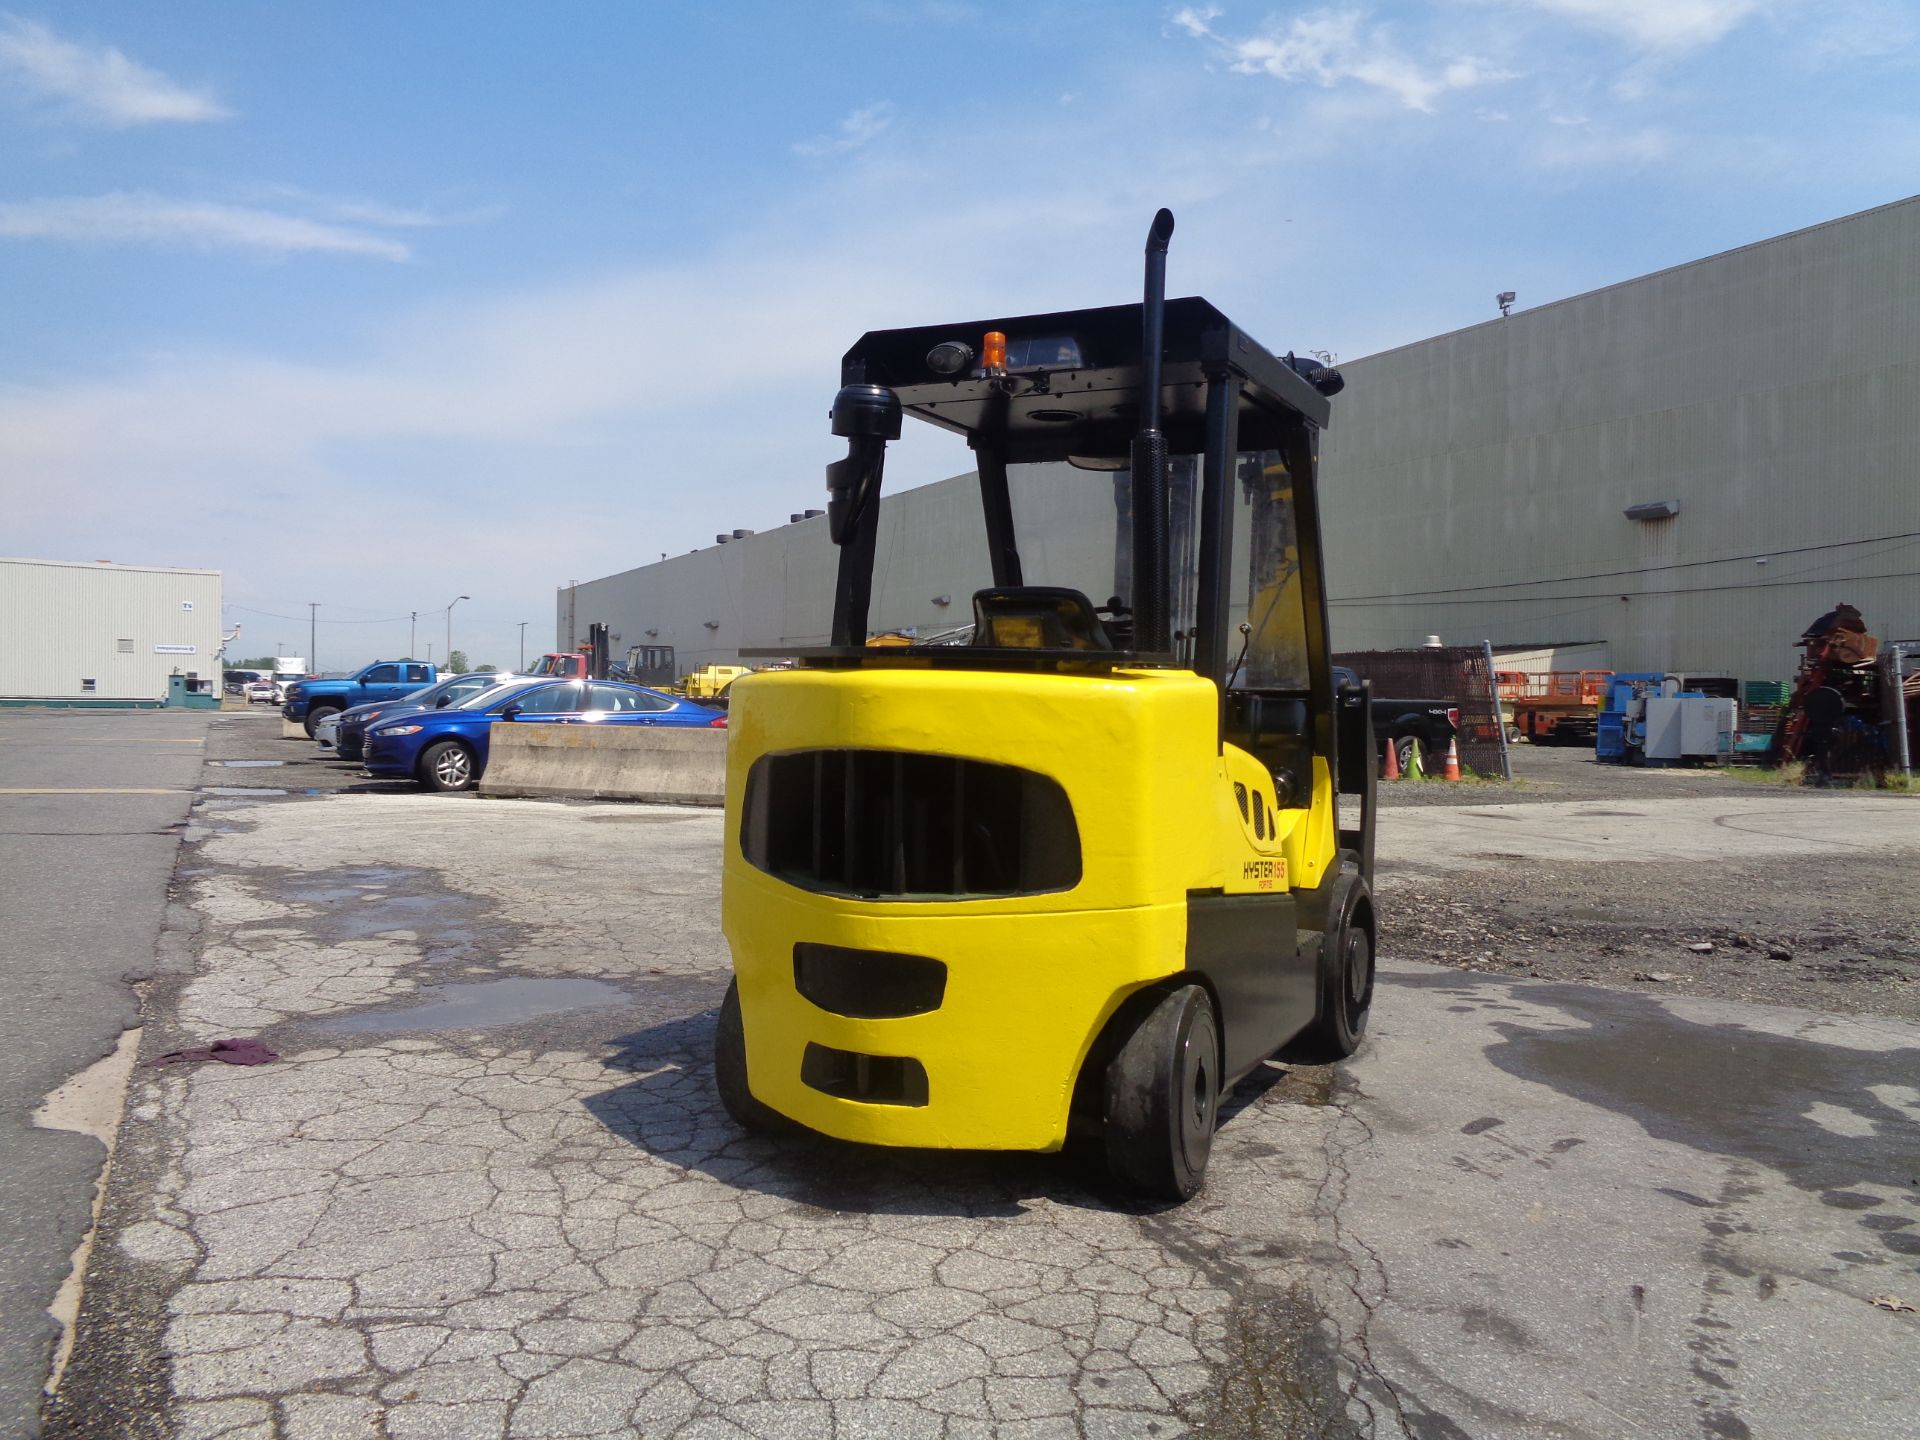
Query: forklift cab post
x=1067 y=876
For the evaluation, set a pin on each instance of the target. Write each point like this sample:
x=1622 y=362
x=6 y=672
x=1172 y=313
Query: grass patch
x=1795 y=773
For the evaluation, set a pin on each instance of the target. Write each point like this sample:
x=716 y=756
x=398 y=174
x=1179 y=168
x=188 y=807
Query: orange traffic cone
x=1453 y=759
x=1393 y=759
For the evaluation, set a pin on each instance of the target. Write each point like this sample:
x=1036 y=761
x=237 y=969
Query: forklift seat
x=1037 y=617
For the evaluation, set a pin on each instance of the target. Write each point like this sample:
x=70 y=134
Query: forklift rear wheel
x=1163 y=1097
x=730 y=1069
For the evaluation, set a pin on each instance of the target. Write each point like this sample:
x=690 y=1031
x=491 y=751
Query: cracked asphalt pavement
x=488 y=1190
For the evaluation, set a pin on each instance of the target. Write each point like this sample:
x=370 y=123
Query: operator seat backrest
x=1275 y=728
x=1037 y=617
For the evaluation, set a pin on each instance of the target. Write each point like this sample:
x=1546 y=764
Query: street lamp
x=523 y=647
x=450 y=604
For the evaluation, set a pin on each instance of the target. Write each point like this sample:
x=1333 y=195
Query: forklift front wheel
x=1346 y=997
x=730 y=1070
x=1163 y=1097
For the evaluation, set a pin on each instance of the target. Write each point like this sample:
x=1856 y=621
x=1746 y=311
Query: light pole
x=523 y=647
x=413 y=620
x=313 y=645
x=450 y=604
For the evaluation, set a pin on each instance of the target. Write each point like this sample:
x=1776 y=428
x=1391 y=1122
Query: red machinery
x=588 y=662
x=1831 y=720
x=1557 y=707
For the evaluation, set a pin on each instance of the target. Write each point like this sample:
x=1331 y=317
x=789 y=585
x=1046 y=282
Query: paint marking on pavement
x=84 y=790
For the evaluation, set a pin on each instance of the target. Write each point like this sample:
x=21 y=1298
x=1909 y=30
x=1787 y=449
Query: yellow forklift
x=1080 y=875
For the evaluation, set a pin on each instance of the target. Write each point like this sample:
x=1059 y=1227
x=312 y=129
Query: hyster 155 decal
x=1265 y=874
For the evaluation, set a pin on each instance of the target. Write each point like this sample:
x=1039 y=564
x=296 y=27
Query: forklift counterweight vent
x=873 y=1079
x=868 y=984
x=900 y=825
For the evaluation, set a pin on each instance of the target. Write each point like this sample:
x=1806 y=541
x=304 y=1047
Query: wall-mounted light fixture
x=711 y=624
x=1505 y=301
x=1653 y=510
x=943 y=599
x=652 y=634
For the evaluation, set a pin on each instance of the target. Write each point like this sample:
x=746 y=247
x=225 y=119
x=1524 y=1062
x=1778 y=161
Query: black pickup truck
x=1427 y=726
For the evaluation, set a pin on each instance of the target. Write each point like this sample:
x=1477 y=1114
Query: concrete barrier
x=293 y=730
x=607 y=762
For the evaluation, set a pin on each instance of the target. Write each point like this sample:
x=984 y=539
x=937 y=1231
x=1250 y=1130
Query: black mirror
x=443 y=702
x=512 y=712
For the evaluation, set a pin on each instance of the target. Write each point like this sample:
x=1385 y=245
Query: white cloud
x=357 y=210
x=98 y=84
x=137 y=218
x=861 y=128
x=1334 y=47
x=1666 y=26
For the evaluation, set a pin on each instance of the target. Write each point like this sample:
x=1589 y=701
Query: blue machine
x=1614 y=735
x=1621 y=734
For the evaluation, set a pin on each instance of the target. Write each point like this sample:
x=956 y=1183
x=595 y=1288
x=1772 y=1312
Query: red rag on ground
x=227 y=1052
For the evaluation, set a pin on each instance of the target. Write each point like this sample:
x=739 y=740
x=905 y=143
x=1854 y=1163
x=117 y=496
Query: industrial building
x=93 y=632
x=1684 y=468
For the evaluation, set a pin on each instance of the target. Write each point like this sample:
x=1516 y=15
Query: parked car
x=308 y=702
x=346 y=732
x=235 y=682
x=447 y=749
x=262 y=692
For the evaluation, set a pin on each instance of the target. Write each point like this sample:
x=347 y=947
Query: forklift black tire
x=730 y=1070
x=1162 y=1097
x=1345 y=998
x=317 y=714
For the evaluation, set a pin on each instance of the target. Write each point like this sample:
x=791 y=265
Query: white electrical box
x=1662 y=728
x=1707 y=726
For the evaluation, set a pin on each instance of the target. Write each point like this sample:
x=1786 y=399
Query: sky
x=376 y=305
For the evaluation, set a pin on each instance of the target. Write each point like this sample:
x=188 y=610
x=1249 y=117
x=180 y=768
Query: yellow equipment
x=709 y=682
x=1085 y=872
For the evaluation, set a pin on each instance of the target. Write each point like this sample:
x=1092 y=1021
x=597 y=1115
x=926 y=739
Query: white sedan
x=327 y=731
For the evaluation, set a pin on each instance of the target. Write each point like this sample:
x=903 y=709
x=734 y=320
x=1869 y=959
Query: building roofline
x=1640 y=279
x=106 y=565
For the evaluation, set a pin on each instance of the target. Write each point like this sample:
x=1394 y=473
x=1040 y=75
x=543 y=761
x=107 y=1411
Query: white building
x=80 y=630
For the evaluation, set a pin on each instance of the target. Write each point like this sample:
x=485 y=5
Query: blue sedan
x=447 y=749
x=349 y=731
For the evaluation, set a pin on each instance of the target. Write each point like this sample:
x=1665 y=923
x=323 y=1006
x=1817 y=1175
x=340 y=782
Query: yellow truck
x=709 y=683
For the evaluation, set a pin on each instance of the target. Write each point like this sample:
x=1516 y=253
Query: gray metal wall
x=776 y=588
x=1473 y=484
x=125 y=627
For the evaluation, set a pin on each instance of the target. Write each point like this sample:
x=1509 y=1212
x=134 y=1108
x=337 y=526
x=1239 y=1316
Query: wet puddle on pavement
x=484 y=1006
x=243 y=792
x=245 y=764
x=360 y=903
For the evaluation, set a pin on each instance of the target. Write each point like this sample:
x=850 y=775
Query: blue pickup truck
x=311 y=701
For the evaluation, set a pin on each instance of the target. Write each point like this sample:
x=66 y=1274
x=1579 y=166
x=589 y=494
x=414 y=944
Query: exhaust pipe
x=1151 y=598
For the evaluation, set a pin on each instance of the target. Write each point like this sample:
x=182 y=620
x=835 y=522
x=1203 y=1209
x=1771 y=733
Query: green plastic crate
x=1768 y=692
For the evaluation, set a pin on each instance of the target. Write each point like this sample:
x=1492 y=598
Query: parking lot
x=488 y=1190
